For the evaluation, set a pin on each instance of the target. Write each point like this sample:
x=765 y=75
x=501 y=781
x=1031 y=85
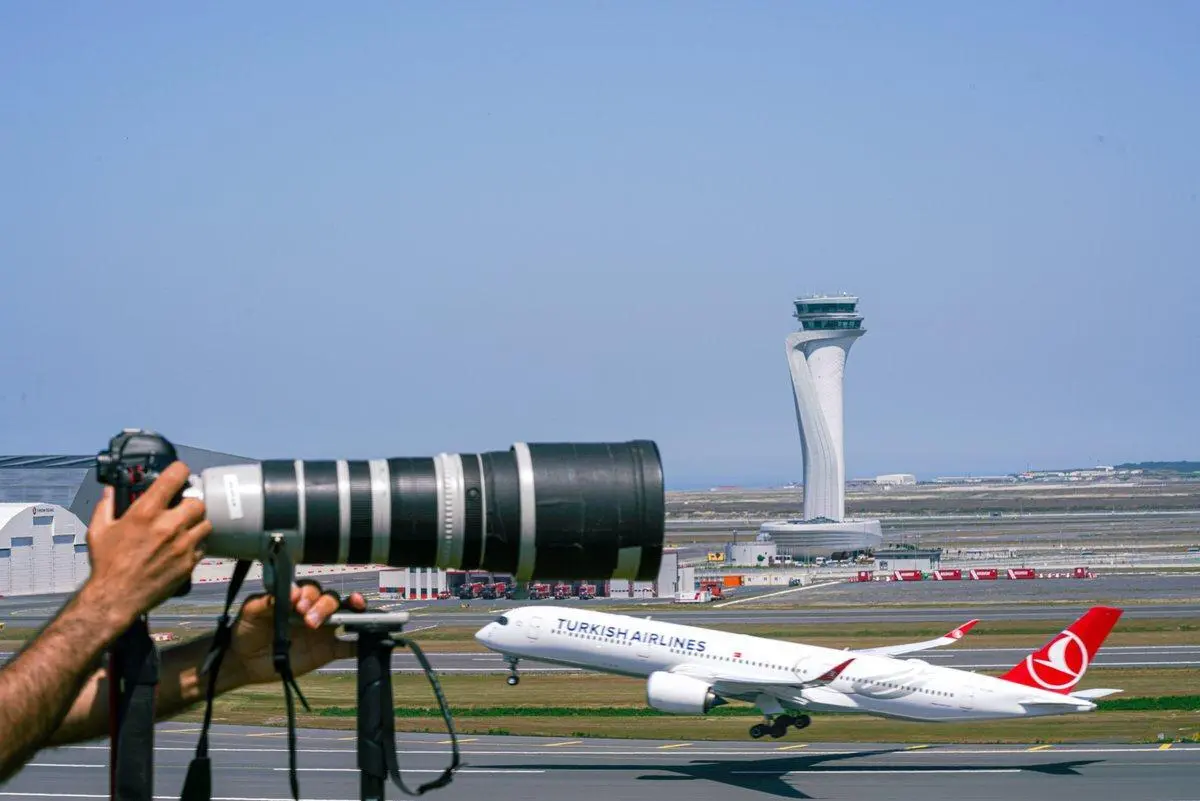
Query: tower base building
x=808 y=539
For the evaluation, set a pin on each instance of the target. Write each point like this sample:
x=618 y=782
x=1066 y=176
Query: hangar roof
x=10 y=510
x=70 y=481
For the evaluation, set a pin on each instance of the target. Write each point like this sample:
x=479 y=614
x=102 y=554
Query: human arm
x=40 y=684
x=136 y=563
x=248 y=661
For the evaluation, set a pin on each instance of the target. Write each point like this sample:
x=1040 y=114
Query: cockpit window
x=502 y=620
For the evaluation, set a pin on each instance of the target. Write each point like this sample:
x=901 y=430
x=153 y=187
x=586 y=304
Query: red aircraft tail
x=1061 y=663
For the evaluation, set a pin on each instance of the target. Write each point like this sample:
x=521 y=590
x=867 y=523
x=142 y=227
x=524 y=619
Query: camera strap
x=389 y=754
x=133 y=675
x=198 y=784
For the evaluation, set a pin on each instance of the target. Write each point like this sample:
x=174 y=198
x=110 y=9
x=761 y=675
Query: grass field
x=608 y=706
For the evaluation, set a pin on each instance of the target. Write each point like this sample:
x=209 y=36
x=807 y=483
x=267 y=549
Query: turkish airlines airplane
x=690 y=670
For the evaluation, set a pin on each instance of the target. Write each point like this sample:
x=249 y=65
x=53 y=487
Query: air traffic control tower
x=829 y=326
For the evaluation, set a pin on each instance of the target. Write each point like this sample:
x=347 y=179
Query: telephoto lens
x=551 y=510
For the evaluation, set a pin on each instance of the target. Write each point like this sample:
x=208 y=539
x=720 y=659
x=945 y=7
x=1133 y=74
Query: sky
x=312 y=230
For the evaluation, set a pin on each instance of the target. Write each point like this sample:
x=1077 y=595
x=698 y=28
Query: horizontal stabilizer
x=1092 y=695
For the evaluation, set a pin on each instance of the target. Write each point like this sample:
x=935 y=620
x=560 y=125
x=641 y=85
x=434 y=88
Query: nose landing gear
x=779 y=726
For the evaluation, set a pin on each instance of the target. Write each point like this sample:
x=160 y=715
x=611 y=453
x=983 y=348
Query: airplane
x=690 y=669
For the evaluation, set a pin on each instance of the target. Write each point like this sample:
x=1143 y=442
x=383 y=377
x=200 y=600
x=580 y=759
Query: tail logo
x=1065 y=663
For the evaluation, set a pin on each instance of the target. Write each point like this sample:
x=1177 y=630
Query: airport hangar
x=45 y=503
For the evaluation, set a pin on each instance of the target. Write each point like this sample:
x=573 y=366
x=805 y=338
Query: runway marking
x=179 y=731
x=158 y=797
x=838 y=771
x=444 y=742
x=568 y=742
x=541 y=751
x=793 y=747
x=781 y=592
x=915 y=747
x=418 y=770
x=674 y=745
x=1039 y=748
x=268 y=734
x=1164 y=746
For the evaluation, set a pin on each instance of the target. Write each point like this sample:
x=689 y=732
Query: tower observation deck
x=817 y=353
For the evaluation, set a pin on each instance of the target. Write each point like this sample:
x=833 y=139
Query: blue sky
x=300 y=230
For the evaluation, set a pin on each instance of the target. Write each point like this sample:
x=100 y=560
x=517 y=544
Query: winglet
x=961 y=631
x=833 y=672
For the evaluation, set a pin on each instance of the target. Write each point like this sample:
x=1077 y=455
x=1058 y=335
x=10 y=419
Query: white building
x=43 y=549
x=817 y=353
x=751 y=554
x=896 y=479
x=671 y=580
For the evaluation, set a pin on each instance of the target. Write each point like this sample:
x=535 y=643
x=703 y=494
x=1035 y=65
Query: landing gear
x=779 y=725
x=513 y=679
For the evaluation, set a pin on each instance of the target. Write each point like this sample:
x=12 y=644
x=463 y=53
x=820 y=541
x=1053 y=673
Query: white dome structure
x=43 y=549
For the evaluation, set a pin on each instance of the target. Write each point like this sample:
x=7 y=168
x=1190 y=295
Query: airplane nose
x=484 y=635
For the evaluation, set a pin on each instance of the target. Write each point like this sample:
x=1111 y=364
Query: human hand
x=313 y=643
x=140 y=559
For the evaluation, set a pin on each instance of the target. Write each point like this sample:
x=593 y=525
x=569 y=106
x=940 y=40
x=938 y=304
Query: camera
x=550 y=510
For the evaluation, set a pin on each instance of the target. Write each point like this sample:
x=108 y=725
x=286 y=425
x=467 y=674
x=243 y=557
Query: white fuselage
x=909 y=689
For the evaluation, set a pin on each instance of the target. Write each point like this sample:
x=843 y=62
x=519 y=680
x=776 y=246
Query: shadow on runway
x=769 y=775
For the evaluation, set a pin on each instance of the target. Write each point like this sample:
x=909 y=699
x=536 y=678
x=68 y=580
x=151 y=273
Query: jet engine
x=680 y=695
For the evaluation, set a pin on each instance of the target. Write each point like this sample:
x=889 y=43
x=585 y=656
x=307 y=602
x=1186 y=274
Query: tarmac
x=251 y=763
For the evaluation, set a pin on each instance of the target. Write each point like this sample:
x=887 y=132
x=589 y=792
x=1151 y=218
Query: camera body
x=134 y=460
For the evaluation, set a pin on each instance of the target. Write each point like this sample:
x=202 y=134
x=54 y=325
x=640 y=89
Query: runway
x=36 y=612
x=1183 y=656
x=251 y=763
x=484 y=662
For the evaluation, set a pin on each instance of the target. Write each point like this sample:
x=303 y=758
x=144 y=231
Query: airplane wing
x=949 y=638
x=734 y=684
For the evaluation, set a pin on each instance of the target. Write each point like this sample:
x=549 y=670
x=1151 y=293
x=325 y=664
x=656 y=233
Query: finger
x=357 y=602
x=164 y=488
x=256 y=605
x=309 y=593
x=194 y=537
x=324 y=606
x=102 y=515
x=189 y=512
